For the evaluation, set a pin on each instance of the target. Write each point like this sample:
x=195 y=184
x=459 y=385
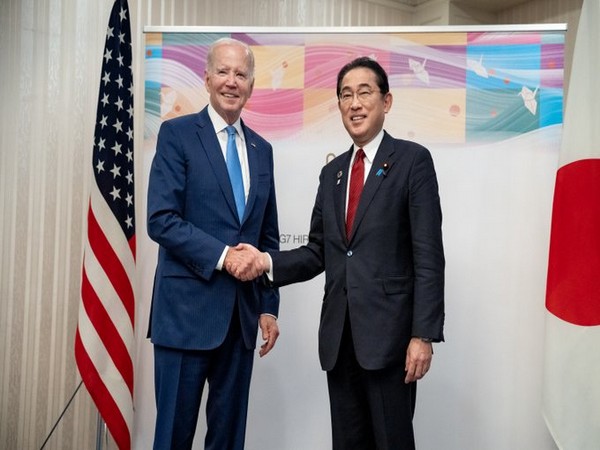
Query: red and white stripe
x=105 y=334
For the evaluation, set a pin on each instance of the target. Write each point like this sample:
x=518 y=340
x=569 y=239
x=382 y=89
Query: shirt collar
x=371 y=148
x=220 y=124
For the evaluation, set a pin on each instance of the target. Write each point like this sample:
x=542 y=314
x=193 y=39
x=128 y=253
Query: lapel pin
x=339 y=177
x=383 y=170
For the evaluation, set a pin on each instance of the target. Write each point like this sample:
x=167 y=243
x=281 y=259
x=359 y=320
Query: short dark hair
x=367 y=63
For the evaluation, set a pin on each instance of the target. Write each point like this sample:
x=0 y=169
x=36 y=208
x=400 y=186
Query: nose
x=230 y=79
x=355 y=102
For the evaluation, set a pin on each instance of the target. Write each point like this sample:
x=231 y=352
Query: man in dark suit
x=211 y=187
x=376 y=232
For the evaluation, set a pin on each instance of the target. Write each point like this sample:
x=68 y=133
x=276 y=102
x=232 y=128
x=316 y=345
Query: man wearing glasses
x=376 y=232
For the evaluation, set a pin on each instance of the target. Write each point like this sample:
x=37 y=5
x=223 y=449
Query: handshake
x=245 y=262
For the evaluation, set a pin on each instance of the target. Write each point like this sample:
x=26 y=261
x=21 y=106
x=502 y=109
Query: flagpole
x=60 y=417
x=100 y=426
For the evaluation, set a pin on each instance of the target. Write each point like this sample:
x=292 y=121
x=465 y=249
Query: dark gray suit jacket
x=390 y=275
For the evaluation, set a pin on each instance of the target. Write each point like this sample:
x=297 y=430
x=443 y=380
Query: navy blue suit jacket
x=192 y=216
x=390 y=274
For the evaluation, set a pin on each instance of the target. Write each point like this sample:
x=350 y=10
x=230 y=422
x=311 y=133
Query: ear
x=206 y=77
x=387 y=102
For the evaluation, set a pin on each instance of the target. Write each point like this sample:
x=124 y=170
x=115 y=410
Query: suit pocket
x=264 y=177
x=177 y=270
x=398 y=285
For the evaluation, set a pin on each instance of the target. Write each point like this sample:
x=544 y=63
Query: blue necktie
x=235 y=172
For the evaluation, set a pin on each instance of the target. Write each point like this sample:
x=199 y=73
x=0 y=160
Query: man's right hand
x=245 y=262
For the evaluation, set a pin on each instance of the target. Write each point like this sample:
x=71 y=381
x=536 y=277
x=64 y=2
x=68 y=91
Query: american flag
x=104 y=340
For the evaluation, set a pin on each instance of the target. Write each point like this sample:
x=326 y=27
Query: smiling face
x=229 y=79
x=362 y=105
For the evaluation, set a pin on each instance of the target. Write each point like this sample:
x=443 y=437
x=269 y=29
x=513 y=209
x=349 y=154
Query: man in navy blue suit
x=376 y=231
x=211 y=187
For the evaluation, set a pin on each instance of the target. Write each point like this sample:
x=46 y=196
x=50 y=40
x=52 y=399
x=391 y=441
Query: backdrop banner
x=487 y=102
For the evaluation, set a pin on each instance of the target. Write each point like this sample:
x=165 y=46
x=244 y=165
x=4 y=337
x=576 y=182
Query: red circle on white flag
x=573 y=285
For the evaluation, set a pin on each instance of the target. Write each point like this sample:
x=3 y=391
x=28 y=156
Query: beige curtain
x=50 y=61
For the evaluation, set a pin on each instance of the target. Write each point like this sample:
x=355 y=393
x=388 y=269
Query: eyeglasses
x=364 y=95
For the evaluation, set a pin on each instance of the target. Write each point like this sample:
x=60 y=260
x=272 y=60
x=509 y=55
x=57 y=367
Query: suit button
x=349 y=254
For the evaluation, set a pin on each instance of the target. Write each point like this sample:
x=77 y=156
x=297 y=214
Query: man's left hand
x=270 y=333
x=418 y=359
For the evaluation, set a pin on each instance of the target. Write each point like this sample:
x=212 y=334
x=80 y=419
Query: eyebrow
x=361 y=85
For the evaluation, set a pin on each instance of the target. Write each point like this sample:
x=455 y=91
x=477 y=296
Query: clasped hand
x=245 y=262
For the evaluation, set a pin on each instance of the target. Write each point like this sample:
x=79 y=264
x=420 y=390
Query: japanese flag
x=571 y=397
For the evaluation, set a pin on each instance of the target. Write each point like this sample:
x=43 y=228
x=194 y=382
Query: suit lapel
x=253 y=166
x=384 y=159
x=340 y=186
x=212 y=148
